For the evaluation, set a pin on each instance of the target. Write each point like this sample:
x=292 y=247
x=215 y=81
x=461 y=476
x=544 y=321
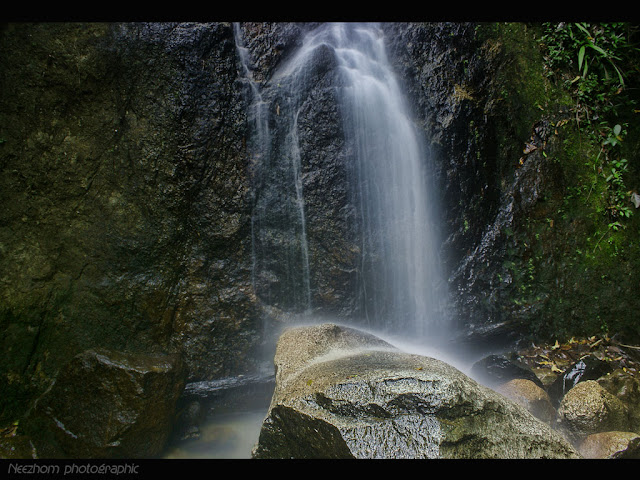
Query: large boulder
x=107 y=404
x=342 y=393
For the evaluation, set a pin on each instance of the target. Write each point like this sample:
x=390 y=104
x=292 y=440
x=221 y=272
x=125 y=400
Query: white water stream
x=390 y=171
x=399 y=280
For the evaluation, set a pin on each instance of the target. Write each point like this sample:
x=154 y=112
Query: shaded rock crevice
x=123 y=406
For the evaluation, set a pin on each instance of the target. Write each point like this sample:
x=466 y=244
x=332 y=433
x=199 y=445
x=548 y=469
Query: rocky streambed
x=586 y=388
x=342 y=393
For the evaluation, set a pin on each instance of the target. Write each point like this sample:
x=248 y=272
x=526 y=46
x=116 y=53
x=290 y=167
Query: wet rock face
x=129 y=193
x=341 y=393
x=450 y=84
x=437 y=81
x=209 y=299
x=488 y=187
x=271 y=43
x=302 y=111
x=104 y=404
x=126 y=221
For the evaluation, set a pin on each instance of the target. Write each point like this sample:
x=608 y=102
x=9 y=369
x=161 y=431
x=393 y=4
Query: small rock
x=587 y=368
x=611 y=445
x=588 y=408
x=531 y=396
x=107 y=404
x=627 y=388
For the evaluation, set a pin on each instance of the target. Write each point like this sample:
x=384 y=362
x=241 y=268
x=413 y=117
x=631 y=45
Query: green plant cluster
x=601 y=49
x=593 y=245
x=594 y=62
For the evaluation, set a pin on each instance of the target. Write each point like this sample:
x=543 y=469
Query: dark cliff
x=124 y=192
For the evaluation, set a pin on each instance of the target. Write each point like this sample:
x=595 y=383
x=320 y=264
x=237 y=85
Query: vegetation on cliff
x=575 y=257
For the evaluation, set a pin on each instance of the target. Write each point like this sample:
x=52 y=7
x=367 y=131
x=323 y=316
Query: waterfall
x=392 y=190
x=258 y=144
x=266 y=180
x=398 y=285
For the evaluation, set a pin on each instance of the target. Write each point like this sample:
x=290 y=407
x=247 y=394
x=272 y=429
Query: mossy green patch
x=573 y=259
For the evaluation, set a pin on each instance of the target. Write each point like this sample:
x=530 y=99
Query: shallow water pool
x=228 y=436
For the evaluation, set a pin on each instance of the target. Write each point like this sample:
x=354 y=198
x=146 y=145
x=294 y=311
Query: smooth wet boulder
x=611 y=445
x=587 y=368
x=531 y=396
x=342 y=393
x=107 y=404
x=495 y=370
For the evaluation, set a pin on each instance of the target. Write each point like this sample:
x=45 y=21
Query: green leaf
x=583 y=29
x=619 y=74
x=599 y=50
x=586 y=67
x=581 y=57
x=617 y=129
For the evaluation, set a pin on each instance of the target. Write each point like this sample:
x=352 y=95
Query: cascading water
x=278 y=217
x=398 y=244
x=398 y=284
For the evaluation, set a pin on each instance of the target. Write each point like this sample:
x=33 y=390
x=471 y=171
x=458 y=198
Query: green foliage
x=601 y=57
x=572 y=264
x=592 y=62
x=613 y=170
x=602 y=48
